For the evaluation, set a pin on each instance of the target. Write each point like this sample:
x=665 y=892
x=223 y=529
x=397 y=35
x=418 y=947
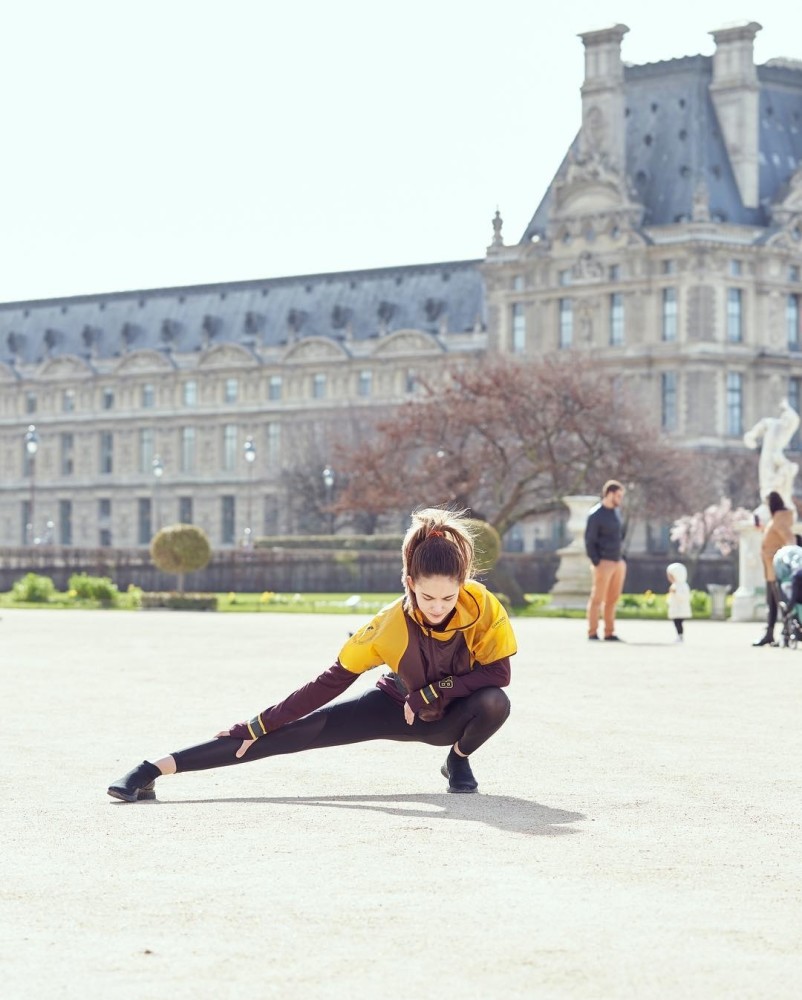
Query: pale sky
x=179 y=142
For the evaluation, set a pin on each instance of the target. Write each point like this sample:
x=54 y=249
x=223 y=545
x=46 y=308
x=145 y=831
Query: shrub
x=33 y=589
x=361 y=543
x=180 y=602
x=487 y=543
x=504 y=584
x=700 y=604
x=133 y=596
x=180 y=549
x=94 y=588
x=504 y=601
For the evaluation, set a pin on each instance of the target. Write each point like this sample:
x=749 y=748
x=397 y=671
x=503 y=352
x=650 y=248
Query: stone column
x=749 y=600
x=572 y=588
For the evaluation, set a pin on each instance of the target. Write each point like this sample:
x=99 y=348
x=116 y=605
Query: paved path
x=638 y=832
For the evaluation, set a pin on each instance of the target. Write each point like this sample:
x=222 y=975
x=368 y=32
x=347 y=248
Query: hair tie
x=435 y=534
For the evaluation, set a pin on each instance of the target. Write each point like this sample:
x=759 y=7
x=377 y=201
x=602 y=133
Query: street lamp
x=249 y=450
x=328 y=483
x=158 y=472
x=31 y=448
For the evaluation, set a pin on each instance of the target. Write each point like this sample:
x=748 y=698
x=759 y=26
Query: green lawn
x=538 y=605
x=333 y=604
x=329 y=604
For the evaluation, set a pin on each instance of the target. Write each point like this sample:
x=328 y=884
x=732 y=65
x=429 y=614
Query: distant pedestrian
x=679 y=597
x=604 y=537
x=779 y=531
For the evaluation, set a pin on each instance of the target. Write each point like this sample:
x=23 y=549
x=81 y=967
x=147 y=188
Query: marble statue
x=775 y=472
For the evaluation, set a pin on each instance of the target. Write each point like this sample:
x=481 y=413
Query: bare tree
x=510 y=438
x=314 y=476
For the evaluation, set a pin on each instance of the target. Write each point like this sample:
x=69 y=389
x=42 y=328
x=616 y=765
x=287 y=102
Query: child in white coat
x=679 y=597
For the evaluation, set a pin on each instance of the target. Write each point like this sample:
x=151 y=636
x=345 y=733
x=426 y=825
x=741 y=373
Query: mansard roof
x=674 y=146
x=347 y=306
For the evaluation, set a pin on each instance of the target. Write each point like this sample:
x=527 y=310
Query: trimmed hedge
x=179 y=602
x=364 y=543
x=487 y=543
x=94 y=588
x=180 y=549
x=33 y=589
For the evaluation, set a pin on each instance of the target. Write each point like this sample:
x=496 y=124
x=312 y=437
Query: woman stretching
x=447 y=643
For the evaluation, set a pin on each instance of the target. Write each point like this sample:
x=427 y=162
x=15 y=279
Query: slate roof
x=353 y=304
x=673 y=142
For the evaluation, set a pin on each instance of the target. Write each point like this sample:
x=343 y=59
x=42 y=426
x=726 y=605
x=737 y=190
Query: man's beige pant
x=608 y=582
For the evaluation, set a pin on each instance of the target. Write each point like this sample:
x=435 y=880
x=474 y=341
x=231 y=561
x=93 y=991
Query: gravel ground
x=637 y=832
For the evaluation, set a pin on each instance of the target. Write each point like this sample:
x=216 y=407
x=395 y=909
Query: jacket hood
x=678 y=572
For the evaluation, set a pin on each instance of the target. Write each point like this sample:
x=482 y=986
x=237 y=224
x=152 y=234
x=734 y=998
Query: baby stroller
x=788 y=569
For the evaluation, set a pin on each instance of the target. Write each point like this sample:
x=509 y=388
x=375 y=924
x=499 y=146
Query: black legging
x=771 y=604
x=369 y=716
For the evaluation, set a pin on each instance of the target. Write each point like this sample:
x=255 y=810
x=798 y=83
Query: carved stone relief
x=405 y=341
x=775 y=309
x=142 y=361
x=594 y=129
x=315 y=349
x=701 y=321
x=226 y=355
x=63 y=368
x=587 y=268
x=701 y=403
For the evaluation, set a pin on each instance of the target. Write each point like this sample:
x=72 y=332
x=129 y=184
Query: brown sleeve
x=306 y=699
x=495 y=674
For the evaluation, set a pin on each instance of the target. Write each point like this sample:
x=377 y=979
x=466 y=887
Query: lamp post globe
x=158 y=471
x=249 y=453
x=328 y=485
x=31 y=448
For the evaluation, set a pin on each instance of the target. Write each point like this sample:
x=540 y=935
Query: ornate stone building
x=670 y=240
x=190 y=403
x=669 y=244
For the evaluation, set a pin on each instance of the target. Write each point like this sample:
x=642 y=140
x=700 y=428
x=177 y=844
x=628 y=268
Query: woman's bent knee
x=492 y=702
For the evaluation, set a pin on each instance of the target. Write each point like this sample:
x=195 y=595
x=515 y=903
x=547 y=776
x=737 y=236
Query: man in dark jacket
x=604 y=535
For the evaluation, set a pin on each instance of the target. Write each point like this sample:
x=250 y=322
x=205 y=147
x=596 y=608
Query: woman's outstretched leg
x=466 y=725
x=369 y=716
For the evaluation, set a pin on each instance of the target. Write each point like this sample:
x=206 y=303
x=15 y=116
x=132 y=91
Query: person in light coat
x=679 y=597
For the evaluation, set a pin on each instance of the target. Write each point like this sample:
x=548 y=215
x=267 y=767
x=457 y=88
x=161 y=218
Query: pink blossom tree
x=714 y=527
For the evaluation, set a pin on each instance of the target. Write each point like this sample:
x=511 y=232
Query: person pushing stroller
x=788 y=571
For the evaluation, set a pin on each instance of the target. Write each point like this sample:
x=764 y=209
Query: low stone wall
x=311 y=570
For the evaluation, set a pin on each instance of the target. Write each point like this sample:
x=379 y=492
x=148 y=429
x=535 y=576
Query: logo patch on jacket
x=446 y=682
x=365 y=634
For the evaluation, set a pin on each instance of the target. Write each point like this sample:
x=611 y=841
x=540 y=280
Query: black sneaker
x=593 y=638
x=459 y=773
x=137 y=784
x=612 y=638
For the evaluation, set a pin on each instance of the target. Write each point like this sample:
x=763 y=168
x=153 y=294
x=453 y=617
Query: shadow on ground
x=504 y=812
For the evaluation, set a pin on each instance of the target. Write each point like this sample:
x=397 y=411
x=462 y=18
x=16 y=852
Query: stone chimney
x=736 y=95
x=603 y=129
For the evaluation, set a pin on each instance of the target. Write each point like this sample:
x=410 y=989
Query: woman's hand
x=409 y=715
x=244 y=746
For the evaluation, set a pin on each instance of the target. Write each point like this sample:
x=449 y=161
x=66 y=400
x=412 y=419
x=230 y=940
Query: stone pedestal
x=572 y=588
x=749 y=600
x=718 y=600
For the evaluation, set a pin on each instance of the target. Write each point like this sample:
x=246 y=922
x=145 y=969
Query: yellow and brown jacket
x=430 y=665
